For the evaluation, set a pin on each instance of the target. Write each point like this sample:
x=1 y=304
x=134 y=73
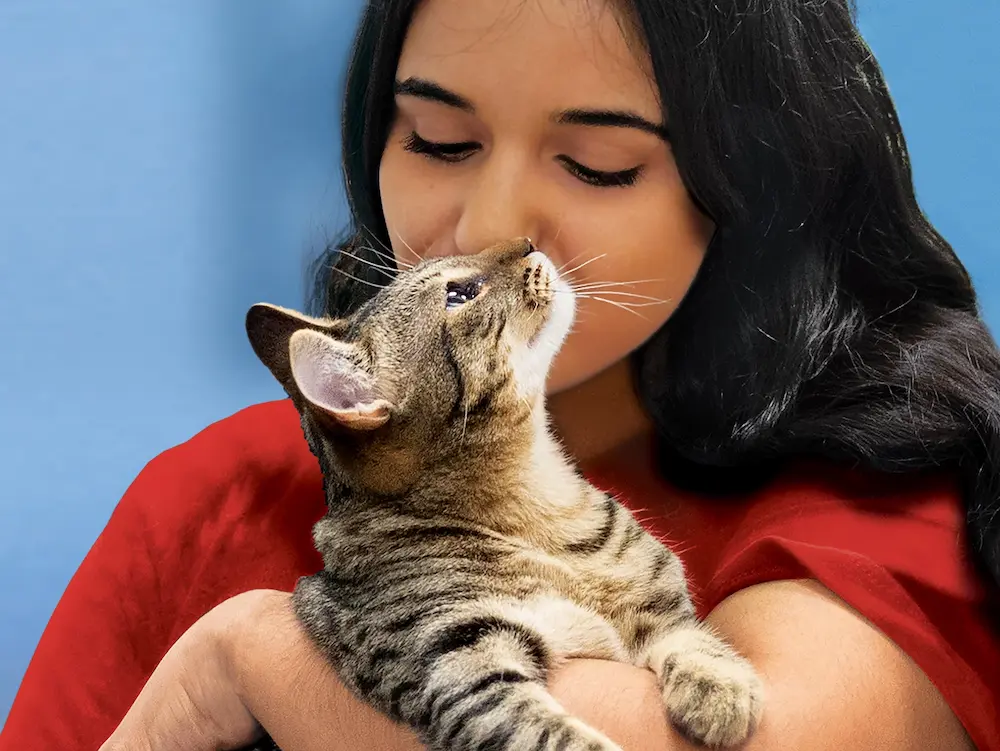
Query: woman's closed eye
x=459 y=151
x=444 y=152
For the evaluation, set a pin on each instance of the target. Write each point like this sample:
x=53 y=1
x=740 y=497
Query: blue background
x=165 y=164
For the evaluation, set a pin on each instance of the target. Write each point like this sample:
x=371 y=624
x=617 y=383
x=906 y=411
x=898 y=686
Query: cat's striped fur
x=464 y=555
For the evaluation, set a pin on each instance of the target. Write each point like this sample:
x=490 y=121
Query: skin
x=833 y=680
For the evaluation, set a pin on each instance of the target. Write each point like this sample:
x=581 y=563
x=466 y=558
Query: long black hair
x=829 y=317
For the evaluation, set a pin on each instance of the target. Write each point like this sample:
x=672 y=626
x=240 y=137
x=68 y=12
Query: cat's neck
x=529 y=489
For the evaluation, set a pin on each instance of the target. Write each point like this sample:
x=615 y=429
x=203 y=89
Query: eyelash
x=457 y=152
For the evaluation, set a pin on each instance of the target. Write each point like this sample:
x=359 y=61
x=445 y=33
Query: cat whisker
x=571 y=260
x=358 y=279
x=562 y=270
x=409 y=247
x=600 y=285
x=632 y=295
x=634 y=300
x=630 y=307
x=392 y=258
x=386 y=252
x=388 y=271
x=577 y=268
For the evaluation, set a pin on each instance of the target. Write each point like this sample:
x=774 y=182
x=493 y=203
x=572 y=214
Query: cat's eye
x=462 y=291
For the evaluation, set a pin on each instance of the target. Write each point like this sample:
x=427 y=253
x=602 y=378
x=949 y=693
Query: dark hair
x=829 y=317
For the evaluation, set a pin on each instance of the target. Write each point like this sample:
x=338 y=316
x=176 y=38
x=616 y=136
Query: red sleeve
x=899 y=557
x=202 y=522
x=103 y=639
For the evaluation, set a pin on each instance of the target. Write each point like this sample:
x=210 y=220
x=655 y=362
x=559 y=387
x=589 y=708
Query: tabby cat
x=464 y=555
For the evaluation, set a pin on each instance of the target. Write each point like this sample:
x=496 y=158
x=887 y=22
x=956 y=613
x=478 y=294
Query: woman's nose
x=501 y=206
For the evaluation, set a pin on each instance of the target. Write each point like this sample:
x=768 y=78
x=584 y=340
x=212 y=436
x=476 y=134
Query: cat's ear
x=270 y=328
x=309 y=359
x=328 y=375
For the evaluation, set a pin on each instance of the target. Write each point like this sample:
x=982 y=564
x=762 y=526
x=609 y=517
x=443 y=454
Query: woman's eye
x=461 y=150
x=460 y=292
x=621 y=179
x=444 y=152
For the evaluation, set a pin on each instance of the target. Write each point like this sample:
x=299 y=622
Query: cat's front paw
x=716 y=701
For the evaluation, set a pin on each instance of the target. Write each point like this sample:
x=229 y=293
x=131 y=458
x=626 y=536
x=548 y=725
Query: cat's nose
x=529 y=247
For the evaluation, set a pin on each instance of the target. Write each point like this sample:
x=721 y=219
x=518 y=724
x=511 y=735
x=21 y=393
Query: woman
x=809 y=412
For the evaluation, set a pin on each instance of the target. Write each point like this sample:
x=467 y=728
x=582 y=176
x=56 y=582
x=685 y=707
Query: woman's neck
x=600 y=416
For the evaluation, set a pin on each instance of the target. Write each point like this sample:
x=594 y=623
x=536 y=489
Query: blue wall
x=165 y=164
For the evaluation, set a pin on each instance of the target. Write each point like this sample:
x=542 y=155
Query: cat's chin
x=532 y=367
x=552 y=334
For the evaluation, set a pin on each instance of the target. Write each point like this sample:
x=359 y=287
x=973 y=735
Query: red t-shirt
x=232 y=510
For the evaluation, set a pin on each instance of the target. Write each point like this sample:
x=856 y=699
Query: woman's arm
x=833 y=682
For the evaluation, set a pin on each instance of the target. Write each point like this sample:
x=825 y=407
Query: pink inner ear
x=338 y=391
x=327 y=376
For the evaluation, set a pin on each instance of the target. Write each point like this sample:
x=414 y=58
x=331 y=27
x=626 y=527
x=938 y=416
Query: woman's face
x=537 y=118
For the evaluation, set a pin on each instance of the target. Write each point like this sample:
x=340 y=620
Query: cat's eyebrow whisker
x=358 y=279
x=387 y=252
x=409 y=247
x=388 y=271
x=390 y=257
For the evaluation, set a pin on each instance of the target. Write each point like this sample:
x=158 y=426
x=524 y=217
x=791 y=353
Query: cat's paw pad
x=716 y=703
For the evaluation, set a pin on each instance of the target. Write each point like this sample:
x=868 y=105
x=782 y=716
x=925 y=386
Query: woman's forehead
x=564 y=53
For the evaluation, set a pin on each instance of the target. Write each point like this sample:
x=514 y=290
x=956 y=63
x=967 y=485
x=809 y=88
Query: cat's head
x=446 y=364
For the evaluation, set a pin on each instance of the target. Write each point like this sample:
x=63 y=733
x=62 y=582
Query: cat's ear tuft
x=331 y=379
x=270 y=329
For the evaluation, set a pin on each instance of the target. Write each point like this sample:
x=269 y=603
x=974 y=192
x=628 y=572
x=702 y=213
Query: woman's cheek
x=419 y=206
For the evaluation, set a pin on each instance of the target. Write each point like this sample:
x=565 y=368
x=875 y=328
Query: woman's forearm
x=290 y=688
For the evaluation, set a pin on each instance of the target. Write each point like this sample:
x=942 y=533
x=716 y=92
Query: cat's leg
x=712 y=694
x=467 y=675
x=485 y=688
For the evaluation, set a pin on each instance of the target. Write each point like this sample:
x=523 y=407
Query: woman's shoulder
x=248 y=467
x=893 y=548
x=912 y=525
x=259 y=440
x=228 y=510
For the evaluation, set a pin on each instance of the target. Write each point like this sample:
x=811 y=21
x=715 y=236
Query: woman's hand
x=249 y=658
x=191 y=701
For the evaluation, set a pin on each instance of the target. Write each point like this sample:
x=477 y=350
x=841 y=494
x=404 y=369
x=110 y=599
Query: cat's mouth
x=551 y=296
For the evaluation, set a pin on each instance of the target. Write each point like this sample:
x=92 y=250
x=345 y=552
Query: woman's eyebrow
x=422 y=88
x=612 y=119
